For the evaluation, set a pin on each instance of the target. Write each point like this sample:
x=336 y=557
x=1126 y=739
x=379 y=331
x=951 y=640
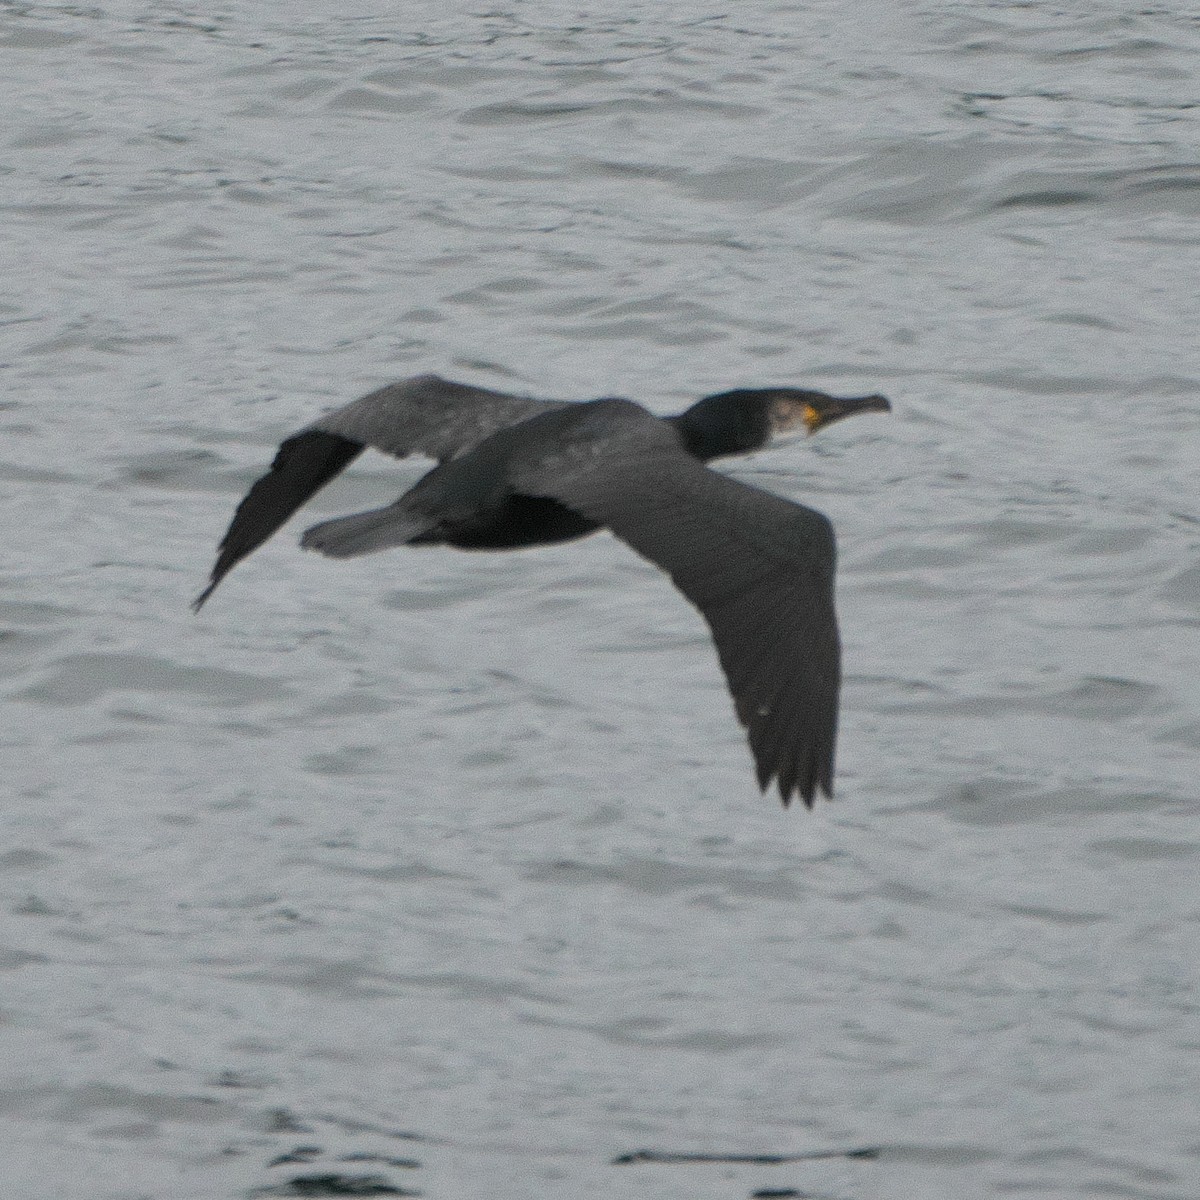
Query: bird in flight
x=514 y=471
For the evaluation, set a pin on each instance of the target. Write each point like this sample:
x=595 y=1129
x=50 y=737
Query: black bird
x=514 y=471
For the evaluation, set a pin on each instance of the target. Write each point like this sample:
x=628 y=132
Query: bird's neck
x=729 y=423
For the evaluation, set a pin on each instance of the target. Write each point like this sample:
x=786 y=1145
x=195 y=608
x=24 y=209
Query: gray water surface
x=459 y=859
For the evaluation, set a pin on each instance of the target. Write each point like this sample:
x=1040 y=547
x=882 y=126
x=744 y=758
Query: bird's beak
x=834 y=408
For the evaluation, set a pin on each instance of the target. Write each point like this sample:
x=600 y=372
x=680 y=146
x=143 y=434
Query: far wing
x=428 y=415
x=758 y=567
x=422 y=415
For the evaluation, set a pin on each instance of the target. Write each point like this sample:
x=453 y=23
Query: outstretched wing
x=422 y=415
x=429 y=415
x=758 y=567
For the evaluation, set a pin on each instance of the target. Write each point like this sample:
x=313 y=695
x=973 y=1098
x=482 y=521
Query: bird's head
x=747 y=419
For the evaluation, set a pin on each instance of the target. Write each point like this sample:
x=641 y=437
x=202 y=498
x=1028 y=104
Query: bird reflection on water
x=514 y=471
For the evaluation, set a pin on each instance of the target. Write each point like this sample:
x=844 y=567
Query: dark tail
x=366 y=532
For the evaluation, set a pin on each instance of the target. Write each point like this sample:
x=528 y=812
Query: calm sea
x=443 y=873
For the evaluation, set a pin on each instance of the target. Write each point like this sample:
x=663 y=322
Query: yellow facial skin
x=787 y=415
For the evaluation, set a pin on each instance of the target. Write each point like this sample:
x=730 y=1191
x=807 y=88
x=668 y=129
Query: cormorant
x=515 y=471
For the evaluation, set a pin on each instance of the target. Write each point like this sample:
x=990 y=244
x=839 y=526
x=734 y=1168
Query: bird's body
x=515 y=471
